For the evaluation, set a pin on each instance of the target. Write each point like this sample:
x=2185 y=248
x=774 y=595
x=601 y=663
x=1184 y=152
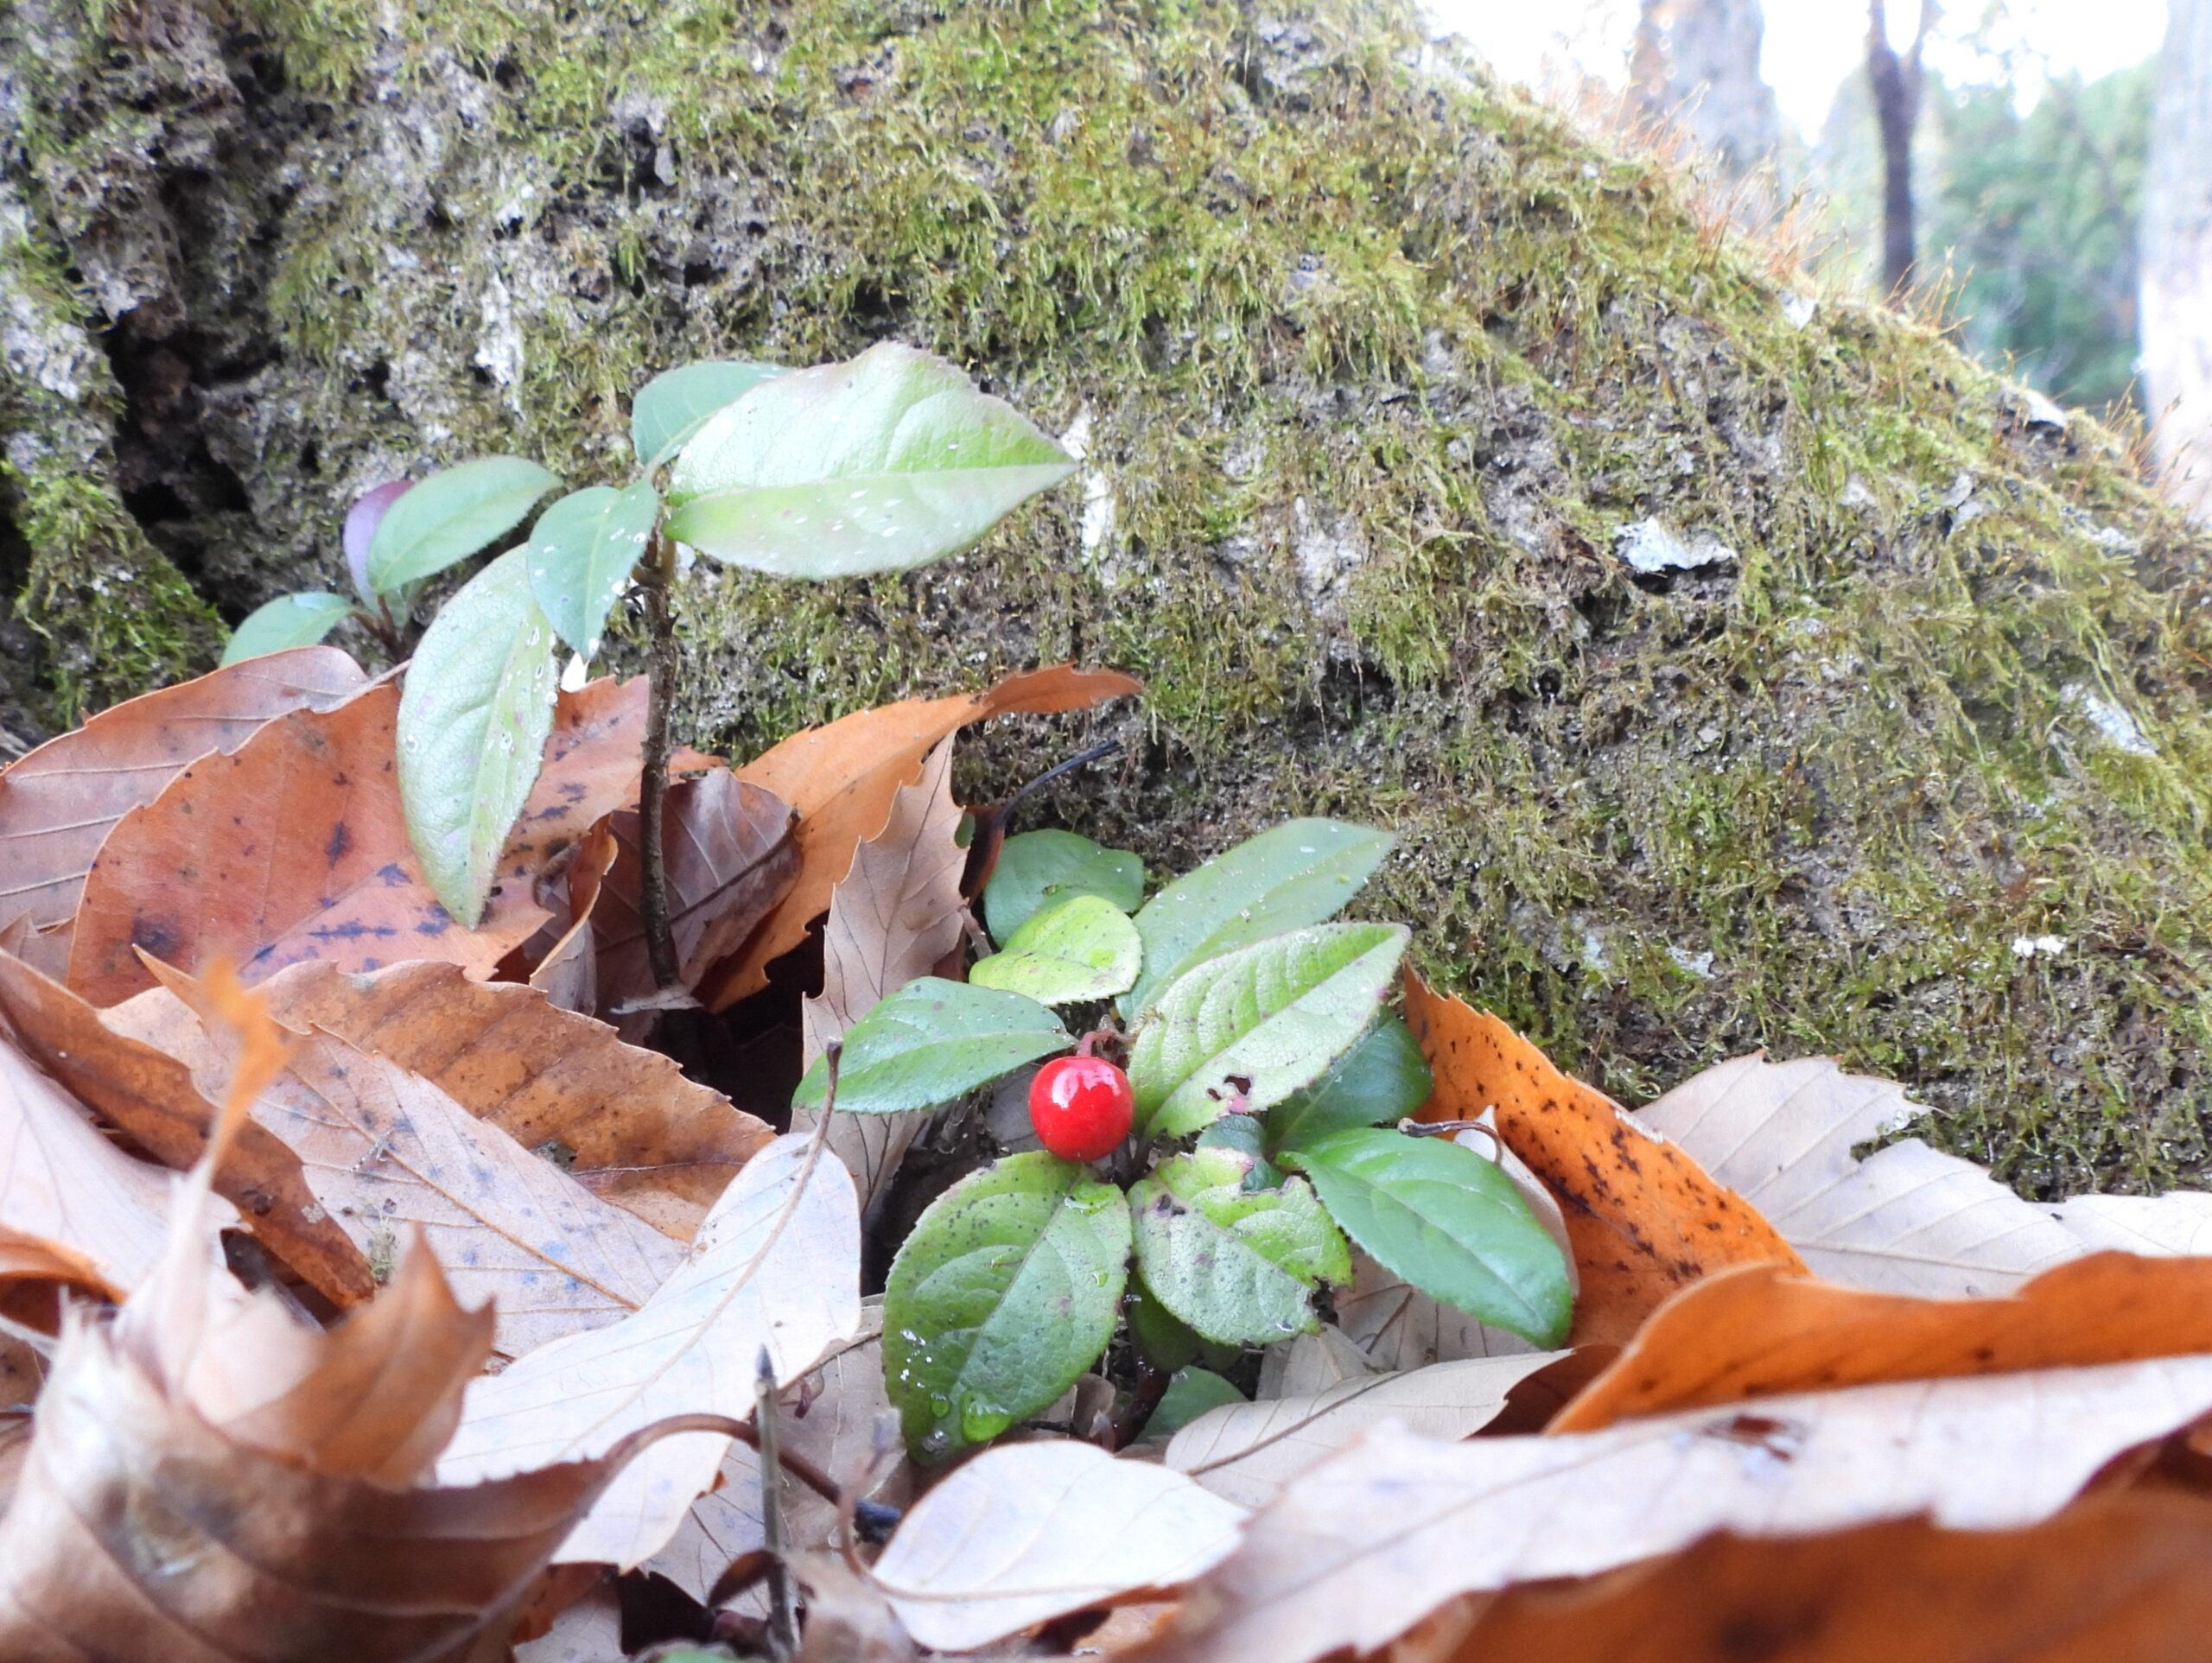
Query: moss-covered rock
x=1387 y=384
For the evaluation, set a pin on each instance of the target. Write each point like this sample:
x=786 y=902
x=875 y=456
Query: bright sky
x=1811 y=45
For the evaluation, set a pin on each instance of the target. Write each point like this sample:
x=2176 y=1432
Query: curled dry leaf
x=100 y=1059
x=294 y=847
x=1363 y=1545
x=841 y=779
x=2113 y=1577
x=1757 y=1332
x=730 y=857
x=622 y=1121
x=57 y=803
x=892 y=917
x=1026 y=1532
x=1645 y=1218
x=1246 y=1452
x=775 y=1265
x=1908 y=1219
x=75 y=1211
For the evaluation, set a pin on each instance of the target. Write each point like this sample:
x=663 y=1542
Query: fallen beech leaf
x=1644 y=1219
x=623 y=1122
x=2112 y=1577
x=730 y=857
x=75 y=1211
x=590 y=1631
x=58 y=802
x=892 y=917
x=1310 y=1364
x=1246 y=1452
x=292 y=847
x=385 y=1152
x=776 y=1264
x=848 y=1619
x=1908 y=1219
x=1398 y=1327
x=846 y=1409
x=1360 y=1547
x=1757 y=1332
x=841 y=779
x=98 y=1058
x=1026 y=1532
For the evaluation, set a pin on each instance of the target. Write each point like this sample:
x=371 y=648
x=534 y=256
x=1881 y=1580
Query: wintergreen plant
x=879 y=463
x=1265 y=1076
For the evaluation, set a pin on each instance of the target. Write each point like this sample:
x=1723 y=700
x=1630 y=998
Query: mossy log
x=1740 y=666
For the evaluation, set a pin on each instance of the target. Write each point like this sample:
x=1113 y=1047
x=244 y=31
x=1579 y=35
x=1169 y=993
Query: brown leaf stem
x=660 y=574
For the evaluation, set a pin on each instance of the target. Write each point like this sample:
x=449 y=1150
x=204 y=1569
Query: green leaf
x=289 y=620
x=1038 y=868
x=473 y=723
x=1377 y=1083
x=580 y=553
x=932 y=1042
x=1450 y=1222
x=1190 y=1394
x=1004 y=1293
x=676 y=403
x=1299 y=873
x=887 y=462
x=1085 y=948
x=1246 y=1135
x=1238 y=1266
x=1266 y=1020
x=450 y=515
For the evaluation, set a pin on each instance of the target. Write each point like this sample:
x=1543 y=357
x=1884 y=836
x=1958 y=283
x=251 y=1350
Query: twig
x=782 y=1593
x=660 y=574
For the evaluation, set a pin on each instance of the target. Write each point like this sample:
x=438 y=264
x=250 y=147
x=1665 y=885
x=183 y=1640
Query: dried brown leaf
x=1360 y=1547
x=58 y=802
x=1026 y=1532
x=152 y=1098
x=1644 y=1219
x=841 y=779
x=892 y=917
x=1908 y=1219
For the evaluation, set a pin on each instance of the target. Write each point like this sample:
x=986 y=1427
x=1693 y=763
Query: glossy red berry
x=1081 y=1107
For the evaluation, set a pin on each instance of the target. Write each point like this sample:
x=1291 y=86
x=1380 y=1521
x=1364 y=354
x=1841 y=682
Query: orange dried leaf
x=57 y=803
x=842 y=777
x=1757 y=1331
x=1645 y=1220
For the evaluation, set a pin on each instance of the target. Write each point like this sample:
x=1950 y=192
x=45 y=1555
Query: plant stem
x=782 y=1595
x=659 y=573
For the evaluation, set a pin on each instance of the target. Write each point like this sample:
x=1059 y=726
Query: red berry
x=1081 y=1107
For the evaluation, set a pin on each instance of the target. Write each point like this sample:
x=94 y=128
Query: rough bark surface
x=1737 y=670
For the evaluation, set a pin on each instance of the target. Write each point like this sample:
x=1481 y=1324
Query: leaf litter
x=488 y=1283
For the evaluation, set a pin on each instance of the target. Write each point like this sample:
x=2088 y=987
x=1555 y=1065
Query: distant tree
x=1895 y=79
x=1695 y=66
x=2177 y=255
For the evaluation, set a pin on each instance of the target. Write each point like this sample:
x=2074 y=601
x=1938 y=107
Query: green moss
x=1378 y=363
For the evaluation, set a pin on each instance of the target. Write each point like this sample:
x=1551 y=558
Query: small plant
x=1254 y=1129
x=886 y=462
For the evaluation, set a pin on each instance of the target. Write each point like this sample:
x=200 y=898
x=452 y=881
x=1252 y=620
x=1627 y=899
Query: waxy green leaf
x=932 y=1042
x=1193 y=1392
x=1037 y=869
x=1261 y=1022
x=1238 y=1266
x=1084 y=947
x=1442 y=1217
x=1301 y=872
x=887 y=462
x=289 y=620
x=450 y=515
x=473 y=717
x=1005 y=1292
x=676 y=403
x=1378 y=1082
x=580 y=554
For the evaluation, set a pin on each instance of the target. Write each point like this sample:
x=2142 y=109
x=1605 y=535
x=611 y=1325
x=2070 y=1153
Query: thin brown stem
x=659 y=582
x=783 y=1592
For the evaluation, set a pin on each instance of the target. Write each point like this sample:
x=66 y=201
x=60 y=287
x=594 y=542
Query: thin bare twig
x=783 y=1592
x=659 y=583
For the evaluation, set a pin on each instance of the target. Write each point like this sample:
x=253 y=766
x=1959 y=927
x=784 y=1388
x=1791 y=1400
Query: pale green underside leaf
x=289 y=620
x=454 y=513
x=1083 y=948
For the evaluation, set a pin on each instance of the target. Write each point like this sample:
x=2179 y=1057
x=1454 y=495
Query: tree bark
x=1896 y=78
x=1696 y=67
x=2176 y=257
